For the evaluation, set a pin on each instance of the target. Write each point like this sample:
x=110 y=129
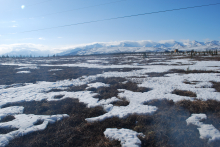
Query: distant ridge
x=139 y=46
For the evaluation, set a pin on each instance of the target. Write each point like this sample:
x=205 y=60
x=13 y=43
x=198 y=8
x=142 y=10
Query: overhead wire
x=79 y=8
x=121 y=17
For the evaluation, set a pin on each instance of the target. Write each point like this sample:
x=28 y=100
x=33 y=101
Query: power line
x=80 y=8
x=128 y=16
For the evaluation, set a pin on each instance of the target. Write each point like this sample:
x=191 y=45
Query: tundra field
x=124 y=100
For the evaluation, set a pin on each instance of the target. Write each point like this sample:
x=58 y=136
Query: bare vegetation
x=58 y=96
x=216 y=85
x=112 y=91
x=9 y=74
x=7 y=118
x=184 y=93
x=167 y=127
x=7 y=130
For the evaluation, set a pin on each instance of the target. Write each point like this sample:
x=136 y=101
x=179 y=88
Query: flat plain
x=111 y=100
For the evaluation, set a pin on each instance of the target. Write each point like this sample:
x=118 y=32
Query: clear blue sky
x=193 y=24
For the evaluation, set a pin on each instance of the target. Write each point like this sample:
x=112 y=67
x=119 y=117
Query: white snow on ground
x=97 y=85
x=11 y=111
x=55 y=69
x=30 y=67
x=194 y=65
x=94 y=61
x=162 y=87
x=25 y=124
x=206 y=131
x=23 y=72
x=128 y=138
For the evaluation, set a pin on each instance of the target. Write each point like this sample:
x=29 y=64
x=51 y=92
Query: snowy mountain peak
x=140 y=46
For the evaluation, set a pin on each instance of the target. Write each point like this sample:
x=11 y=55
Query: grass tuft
x=7 y=118
x=184 y=93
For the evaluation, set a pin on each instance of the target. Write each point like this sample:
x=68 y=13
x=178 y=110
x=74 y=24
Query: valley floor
x=110 y=100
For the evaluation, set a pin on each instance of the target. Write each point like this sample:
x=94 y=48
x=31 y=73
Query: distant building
x=176 y=51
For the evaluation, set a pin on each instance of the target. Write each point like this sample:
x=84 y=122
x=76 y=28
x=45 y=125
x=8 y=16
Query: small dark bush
x=112 y=91
x=184 y=93
x=216 y=85
x=121 y=103
x=7 y=118
x=58 y=96
x=38 y=122
x=7 y=130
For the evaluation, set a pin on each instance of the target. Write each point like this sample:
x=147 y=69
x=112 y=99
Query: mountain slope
x=140 y=46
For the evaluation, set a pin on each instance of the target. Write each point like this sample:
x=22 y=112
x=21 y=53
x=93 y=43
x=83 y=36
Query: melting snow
x=162 y=87
x=206 y=131
x=55 y=69
x=97 y=85
x=25 y=124
x=128 y=138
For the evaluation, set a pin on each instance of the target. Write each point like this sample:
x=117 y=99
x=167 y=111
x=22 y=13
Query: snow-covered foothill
x=128 y=138
x=26 y=124
x=206 y=131
x=23 y=72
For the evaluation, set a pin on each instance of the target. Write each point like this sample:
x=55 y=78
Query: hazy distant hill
x=140 y=46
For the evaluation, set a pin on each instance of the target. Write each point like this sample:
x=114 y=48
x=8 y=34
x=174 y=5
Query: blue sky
x=194 y=24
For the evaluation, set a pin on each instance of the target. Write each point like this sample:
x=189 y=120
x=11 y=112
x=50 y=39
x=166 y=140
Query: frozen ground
x=161 y=88
x=207 y=131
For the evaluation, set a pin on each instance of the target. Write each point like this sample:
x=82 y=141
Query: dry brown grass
x=184 y=93
x=191 y=71
x=123 y=102
x=7 y=130
x=58 y=96
x=115 y=84
x=216 y=85
x=7 y=118
x=167 y=127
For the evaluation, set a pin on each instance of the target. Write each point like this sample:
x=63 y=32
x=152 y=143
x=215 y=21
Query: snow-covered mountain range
x=140 y=46
x=107 y=48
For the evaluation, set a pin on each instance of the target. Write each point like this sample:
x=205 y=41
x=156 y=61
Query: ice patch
x=206 y=131
x=128 y=138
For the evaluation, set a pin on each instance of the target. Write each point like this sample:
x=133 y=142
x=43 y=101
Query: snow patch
x=128 y=138
x=206 y=131
x=55 y=69
x=97 y=85
x=25 y=124
x=23 y=72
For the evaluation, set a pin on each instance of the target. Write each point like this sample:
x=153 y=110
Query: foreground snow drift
x=128 y=138
x=206 y=131
x=26 y=124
